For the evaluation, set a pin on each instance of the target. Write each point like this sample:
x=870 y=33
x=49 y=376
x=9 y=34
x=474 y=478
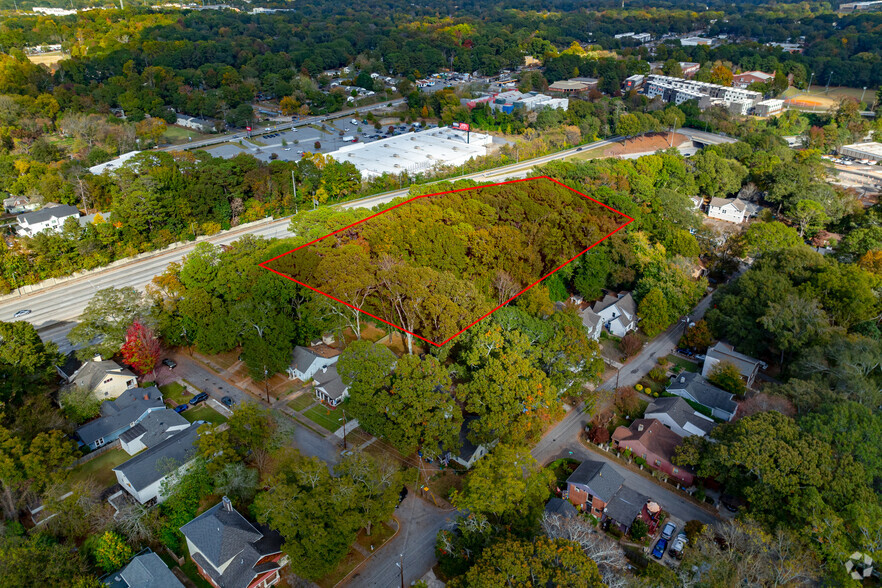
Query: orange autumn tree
x=141 y=349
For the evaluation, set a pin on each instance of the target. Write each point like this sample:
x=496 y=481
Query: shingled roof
x=120 y=413
x=599 y=476
x=652 y=434
x=144 y=469
x=704 y=392
x=679 y=411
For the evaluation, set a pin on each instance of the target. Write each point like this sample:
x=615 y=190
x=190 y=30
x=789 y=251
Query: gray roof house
x=727 y=209
x=155 y=427
x=51 y=217
x=230 y=551
x=676 y=414
x=469 y=453
x=592 y=322
x=146 y=570
x=624 y=507
x=142 y=476
x=120 y=415
x=106 y=379
x=561 y=507
x=306 y=361
x=694 y=387
x=720 y=352
x=592 y=485
x=618 y=313
x=328 y=386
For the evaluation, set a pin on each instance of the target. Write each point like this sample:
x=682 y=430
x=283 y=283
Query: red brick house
x=592 y=485
x=231 y=552
x=651 y=440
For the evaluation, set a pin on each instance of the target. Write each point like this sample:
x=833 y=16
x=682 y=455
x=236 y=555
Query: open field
x=818 y=98
x=50 y=58
x=178 y=135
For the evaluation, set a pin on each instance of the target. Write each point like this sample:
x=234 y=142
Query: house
x=306 y=361
x=19 y=204
x=747 y=366
x=113 y=163
x=328 y=386
x=197 y=124
x=104 y=378
x=143 y=475
x=592 y=485
x=120 y=415
x=469 y=453
x=592 y=322
x=747 y=78
x=676 y=414
x=49 y=218
x=618 y=313
x=624 y=508
x=695 y=388
x=727 y=209
x=231 y=552
x=651 y=440
x=146 y=570
x=562 y=508
x=155 y=427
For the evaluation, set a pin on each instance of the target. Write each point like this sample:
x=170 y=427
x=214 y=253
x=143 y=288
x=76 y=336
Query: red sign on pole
x=248 y=128
x=460 y=126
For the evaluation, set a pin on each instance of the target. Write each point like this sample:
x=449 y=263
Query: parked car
x=169 y=363
x=678 y=546
x=669 y=531
x=21 y=313
x=181 y=408
x=201 y=397
x=227 y=401
x=659 y=550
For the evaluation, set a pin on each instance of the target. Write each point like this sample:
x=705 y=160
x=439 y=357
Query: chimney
x=97 y=357
x=146 y=396
x=324 y=369
x=682 y=379
x=228 y=506
x=640 y=427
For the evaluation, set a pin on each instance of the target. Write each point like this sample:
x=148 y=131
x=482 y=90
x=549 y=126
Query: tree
x=697 y=338
x=721 y=75
x=654 y=313
x=639 y=529
x=141 y=349
x=513 y=468
x=378 y=481
x=673 y=118
x=726 y=375
x=79 y=404
x=365 y=366
x=628 y=125
x=766 y=237
x=540 y=562
x=795 y=323
x=106 y=319
x=26 y=363
x=112 y=552
x=715 y=175
x=237 y=481
x=38 y=559
x=630 y=344
x=151 y=129
x=606 y=553
x=810 y=216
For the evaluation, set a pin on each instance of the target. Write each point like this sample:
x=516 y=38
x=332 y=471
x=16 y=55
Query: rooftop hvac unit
x=395 y=155
x=396 y=165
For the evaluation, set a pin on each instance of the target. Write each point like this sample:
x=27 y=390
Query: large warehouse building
x=871 y=151
x=414 y=152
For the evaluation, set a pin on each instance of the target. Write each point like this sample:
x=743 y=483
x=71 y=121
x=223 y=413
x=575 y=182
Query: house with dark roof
x=617 y=312
x=155 y=427
x=106 y=379
x=747 y=366
x=592 y=322
x=146 y=570
x=306 y=361
x=231 y=552
x=49 y=218
x=143 y=475
x=592 y=485
x=676 y=414
x=120 y=415
x=469 y=453
x=624 y=507
x=652 y=441
x=560 y=507
x=695 y=388
x=328 y=387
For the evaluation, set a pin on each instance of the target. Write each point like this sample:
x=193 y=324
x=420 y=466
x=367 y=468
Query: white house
x=143 y=475
x=19 y=204
x=676 y=414
x=104 y=378
x=747 y=366
x=328 y=386
x=592 y=323
x=617 y=312
x=154 y=428
x=49 y=218
x=727 y=209
x=197 y=124
x=695 y=388
x=306 y=361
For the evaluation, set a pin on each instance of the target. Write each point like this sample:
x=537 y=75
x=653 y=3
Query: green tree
x=766 y=237
x=628 y=125
x=697 y=338
x=79 y=404
x=378 y=481
x=810 y=216
x=725 y=374
x=795 y=323
x=592 y=274
x=715 y=175
x=105 y=320
x=25 y=361
x=654 y=313
x=112 y=552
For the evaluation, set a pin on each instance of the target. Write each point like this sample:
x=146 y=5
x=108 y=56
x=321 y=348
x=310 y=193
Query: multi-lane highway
x=54 y=310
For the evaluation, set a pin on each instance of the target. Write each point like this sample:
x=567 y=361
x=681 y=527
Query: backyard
x=100 y=469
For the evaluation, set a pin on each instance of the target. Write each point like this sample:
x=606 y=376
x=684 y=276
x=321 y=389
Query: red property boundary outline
x=485 y=315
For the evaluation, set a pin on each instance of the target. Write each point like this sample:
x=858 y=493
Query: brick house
x=652 y=441
x=592 y=485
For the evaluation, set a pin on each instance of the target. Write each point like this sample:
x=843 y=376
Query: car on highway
x=669 y=531
x=201 y=397
x=21 y=313
x=678 y=546
x=227 y=401
x=169 y=363
x=659 y=550
x=181 y=408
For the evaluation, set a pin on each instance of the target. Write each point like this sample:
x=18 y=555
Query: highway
x=54 y=310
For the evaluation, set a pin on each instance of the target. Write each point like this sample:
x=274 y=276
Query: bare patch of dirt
x=646 y=143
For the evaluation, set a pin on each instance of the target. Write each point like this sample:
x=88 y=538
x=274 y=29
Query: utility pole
x=294 y=188
x=344 y=428
x=827 y=91
x=809 y=88
x=266 y=384
x=401 y=567
x=862 y=94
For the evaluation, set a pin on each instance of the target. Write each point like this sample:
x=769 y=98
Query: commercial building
x=695 y=41
x=633 y=82
x=768 y=107
x=414 y=152
x=747 y=78
x=858 y=6
x=871 y=151
x=689 y=68
x=639 y=37
x=574 y=86
x=679 y=90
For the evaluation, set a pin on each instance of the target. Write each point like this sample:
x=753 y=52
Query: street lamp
x=266 y=384
x=401 y=567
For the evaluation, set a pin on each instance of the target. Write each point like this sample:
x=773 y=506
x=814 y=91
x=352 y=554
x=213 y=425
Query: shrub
x=658 y=373
x=727 y=376
x=638 y=387
x=615 y=532
x=639 y=529
x=640 y=461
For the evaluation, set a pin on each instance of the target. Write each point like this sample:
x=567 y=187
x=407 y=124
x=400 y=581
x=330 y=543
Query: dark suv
x=201 y=397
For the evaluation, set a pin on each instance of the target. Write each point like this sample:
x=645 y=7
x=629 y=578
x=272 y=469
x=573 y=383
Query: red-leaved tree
x=141 y=349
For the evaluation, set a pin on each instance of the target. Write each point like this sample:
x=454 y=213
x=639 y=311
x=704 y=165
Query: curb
x=373 y=553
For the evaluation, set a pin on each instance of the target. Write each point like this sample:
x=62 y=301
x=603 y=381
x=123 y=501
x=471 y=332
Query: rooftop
x=725 y=352
x=653 y=435
x=625 y=506
x=120 y=413
x=151 y=465
x=599 y=476
x=144 y=571
x=704 y=392
x=681 y=413
x=46 y=213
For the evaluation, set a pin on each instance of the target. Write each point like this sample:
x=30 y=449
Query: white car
x=678 y=546
x=21 y=313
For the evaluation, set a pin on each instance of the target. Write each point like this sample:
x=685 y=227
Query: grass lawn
x=346 y=565
x=589 y=153
x=324 y=417
x=178 y=135
x=189 y=568
x=444 y=482
x=100 y=468
x=302 y=402
x=379 y=535
x=204 y=413
x=175 y=391
x=684 y=364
